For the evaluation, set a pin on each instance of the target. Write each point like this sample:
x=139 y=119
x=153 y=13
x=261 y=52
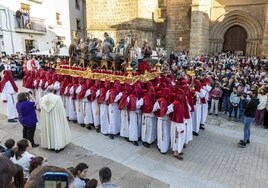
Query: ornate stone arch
x=237 y=17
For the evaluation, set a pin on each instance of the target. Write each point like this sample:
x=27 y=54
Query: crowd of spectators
x=233 y=77
x=19 y=168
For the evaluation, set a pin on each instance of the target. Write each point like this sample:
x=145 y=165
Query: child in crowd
x=35 y=162
x=8 y=152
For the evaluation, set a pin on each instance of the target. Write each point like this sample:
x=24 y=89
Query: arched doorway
x=235 y=39
x=236 y=18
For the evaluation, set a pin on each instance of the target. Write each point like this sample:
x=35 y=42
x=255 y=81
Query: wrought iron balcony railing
x=31 y=25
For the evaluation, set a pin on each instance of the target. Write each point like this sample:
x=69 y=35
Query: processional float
x=128 y=76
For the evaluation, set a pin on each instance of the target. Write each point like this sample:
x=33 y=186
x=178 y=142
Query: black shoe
x=74 y=121
x=35 y=145
x=135 y=143
x=202 y=127
x=82 y=125
x=195 y=134
x=242 y=144
x=179 y=157
x=98 y=129
x=111 y=136
x=57 y=150
x=248 y=142
x=88 y=127
x=184 y=145
x=210 y=114
x=106 y=134
x=216 y=115
x=126 y=139
x=12 y=121
x=145 y=144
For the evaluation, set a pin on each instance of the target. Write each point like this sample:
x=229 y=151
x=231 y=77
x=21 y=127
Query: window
x=58 y=18
x=77 y=4
x=78 y=24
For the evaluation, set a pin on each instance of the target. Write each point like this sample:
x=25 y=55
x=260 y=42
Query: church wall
x=120 y=18
x=178 y=24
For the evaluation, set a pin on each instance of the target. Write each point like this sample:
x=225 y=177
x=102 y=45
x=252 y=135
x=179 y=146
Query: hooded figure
x=102 y=101
x=9 y=91
x=113 y=96
x=163 y=121
x=148 y=118
x=122 y=105
x=55 y=132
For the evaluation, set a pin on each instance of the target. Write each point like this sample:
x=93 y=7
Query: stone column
x=200 y=20
x=264 y=47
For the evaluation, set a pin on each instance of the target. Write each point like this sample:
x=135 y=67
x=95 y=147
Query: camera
x=56 y=180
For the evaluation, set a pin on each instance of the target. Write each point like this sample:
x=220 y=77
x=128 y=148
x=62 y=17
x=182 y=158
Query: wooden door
x=235 y=39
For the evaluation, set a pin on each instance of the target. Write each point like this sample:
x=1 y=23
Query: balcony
x=32 y=26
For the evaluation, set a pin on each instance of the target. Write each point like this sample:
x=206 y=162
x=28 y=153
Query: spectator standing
x=250 y=112
x=234 y=101
x=216 y=94
x=261 y=107
x=27 y=116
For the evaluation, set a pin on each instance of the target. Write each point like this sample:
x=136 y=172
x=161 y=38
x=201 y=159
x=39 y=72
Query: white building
x=28 y=24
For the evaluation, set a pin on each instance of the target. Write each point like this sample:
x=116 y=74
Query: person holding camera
x=250 y=108
x=27 y=116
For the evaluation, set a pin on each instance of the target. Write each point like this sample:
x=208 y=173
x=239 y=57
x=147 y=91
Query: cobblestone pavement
x=210 y=160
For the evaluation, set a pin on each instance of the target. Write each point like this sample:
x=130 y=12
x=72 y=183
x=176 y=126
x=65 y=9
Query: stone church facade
x=201 y=26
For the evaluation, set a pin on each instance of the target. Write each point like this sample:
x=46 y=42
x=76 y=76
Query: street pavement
x=211 y=160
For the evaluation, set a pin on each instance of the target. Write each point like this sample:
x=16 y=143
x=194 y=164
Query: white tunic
x=10 y=95
x=71 y=105
x=149 y=126
x=79 y=106
x=87 y=109
x=114 y=115
x=163 y=131
x=177 y=133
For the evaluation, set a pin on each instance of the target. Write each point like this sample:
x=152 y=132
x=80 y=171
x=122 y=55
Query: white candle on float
x=158 y=42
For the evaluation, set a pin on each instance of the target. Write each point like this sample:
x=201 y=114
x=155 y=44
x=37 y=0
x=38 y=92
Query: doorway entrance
x=29 y=44
x=235 y=39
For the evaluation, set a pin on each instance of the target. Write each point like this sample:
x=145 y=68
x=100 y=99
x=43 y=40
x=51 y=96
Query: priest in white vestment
x=55 y=131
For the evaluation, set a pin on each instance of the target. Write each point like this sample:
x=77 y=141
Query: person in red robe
x=149 y=121
x=9 y=90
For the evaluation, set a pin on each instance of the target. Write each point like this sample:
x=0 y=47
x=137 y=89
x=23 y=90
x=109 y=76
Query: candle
x=158 y=41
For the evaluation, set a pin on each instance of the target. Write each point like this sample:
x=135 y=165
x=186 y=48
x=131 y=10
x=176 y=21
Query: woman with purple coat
x=27 y=116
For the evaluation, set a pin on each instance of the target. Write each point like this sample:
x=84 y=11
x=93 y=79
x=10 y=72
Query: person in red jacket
x=216 y=94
